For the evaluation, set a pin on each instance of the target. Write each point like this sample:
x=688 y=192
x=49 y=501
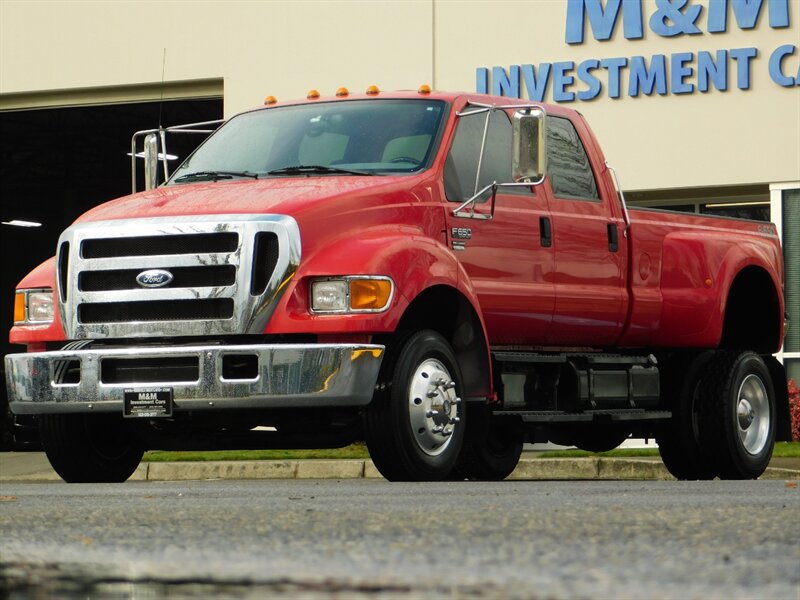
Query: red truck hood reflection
x=284 y=195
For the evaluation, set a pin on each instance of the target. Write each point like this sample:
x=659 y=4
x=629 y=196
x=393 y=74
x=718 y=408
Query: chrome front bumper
x=290 y=375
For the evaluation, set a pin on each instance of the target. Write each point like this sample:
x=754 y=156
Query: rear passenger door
x=589 y=248
x=505 y=257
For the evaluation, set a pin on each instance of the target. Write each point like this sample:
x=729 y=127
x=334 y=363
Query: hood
x=280 y=195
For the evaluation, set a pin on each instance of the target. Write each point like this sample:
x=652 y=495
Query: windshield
x=359 y=137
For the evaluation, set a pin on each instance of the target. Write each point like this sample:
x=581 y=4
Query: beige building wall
x=717 y=138
x=259 y=48
x=59 y=52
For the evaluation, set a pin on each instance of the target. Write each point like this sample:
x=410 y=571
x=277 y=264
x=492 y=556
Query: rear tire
x=90 y=448
x=738 y=428
x=492 y=446
x=414 y=426
x=679 y=441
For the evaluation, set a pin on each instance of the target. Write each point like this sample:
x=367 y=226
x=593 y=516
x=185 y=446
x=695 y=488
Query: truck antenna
x=161 y=100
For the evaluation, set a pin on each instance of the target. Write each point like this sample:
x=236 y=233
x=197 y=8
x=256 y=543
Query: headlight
x=352 y=294
x=33 y=307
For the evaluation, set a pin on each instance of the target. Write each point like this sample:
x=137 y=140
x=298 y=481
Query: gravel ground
x=362 y=538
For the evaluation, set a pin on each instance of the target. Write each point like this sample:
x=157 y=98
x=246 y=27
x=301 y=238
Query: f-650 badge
x=461 y=233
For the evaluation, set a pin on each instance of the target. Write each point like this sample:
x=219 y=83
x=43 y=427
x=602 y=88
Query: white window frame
x=776 y=215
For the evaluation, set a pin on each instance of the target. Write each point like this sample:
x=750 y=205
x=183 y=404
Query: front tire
x=739 y=414
x=414 y=426
x=90 y=448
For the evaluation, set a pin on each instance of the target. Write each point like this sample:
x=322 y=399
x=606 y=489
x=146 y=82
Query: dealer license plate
x=147 y=403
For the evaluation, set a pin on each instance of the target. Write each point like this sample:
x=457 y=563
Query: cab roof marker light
x=313 y=95
x=424 y=89
x=373 y=90
x=269 y=100
x=342 y=91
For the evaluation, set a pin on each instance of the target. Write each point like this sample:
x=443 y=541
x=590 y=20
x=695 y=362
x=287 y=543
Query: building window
x=790 y=208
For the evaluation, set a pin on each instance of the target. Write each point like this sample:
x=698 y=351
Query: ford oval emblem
x=153 y=278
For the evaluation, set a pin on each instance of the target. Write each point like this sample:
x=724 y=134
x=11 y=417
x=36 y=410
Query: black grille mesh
x=184 y=277
x=265 y=257
x=150 y=370
x=153 y=245
x=156 y=310
x=63 y=268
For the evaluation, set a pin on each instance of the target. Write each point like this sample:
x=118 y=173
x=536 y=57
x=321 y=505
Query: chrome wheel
x=414 y=427
x=433 y=407
x=737 y=423
x=753 y=414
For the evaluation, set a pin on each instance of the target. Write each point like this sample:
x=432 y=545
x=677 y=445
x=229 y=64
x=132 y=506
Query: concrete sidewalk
x=33 y=466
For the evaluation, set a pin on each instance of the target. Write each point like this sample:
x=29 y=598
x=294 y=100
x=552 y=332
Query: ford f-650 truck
x=445 y=276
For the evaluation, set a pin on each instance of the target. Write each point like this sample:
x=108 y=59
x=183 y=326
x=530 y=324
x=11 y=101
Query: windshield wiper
x=314 y=169
x=214 y=176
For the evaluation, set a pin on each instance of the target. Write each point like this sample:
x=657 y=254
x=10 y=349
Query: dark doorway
x=57 y=163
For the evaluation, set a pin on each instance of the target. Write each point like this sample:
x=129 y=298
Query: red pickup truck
x=445 y=276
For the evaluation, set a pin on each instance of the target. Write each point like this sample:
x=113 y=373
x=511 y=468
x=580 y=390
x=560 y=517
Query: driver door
x=509 y=258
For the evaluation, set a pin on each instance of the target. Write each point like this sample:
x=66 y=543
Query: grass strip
x=359 y=451
x=782 y=450
x=352 y=451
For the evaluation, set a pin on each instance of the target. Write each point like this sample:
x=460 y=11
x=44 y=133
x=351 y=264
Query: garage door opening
x=56 y=163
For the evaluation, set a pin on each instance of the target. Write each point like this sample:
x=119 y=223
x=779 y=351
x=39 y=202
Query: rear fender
x=698 y=269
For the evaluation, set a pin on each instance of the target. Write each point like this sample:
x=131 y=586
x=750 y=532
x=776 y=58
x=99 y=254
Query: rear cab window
x=568 y=165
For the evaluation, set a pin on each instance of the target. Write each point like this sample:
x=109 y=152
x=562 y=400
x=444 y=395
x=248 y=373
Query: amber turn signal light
x=19 y=307
x=369 y=294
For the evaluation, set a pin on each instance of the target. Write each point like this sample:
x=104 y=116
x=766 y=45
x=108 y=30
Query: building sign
x=673 y=74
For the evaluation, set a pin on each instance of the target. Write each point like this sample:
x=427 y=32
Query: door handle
x=545 y=232
x=613 y=237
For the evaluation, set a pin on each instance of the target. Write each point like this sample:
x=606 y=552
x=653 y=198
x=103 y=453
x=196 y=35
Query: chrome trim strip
x=289 y=375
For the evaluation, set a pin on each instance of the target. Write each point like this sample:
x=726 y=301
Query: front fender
x=43 y=276
x=414 y=262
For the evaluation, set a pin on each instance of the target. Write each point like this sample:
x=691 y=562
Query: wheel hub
x=746 y=414
x=433 y=406
x=753 y=414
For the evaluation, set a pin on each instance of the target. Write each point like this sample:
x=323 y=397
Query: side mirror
x=528 y=162
x=150 y=161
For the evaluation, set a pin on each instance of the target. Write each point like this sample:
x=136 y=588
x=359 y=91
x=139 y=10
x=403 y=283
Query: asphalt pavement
x=34 y=466
x=367 y=539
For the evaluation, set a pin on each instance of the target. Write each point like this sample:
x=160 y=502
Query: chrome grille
x=221 y=275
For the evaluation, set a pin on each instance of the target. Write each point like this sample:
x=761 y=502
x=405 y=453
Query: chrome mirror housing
x=528 y=162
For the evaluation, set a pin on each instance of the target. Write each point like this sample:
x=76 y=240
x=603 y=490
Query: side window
x=567 y=163
x=462 y=161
